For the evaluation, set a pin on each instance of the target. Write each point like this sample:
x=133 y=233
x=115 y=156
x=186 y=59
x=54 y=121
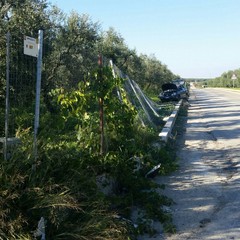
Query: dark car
x=172 y=92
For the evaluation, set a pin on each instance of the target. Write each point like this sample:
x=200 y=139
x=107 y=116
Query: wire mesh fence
x=18 y=94
x=149 y=112
x=21 y=71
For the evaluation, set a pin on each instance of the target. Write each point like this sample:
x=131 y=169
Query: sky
x=194 y=38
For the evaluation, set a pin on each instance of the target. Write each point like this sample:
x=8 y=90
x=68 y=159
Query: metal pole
x=115 y=75
x=7 y=97
x=38 y=90
x=101 y=102
x=234 y=77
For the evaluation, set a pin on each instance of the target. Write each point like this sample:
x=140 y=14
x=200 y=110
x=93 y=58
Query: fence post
x=7 y=97
x=38 y=90
x=101 y=113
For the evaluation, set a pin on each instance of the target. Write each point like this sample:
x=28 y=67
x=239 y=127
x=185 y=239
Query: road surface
x=206 y=188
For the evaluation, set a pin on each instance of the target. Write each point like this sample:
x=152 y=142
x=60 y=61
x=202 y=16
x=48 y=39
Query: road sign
x=234 y=77
x=30 y=46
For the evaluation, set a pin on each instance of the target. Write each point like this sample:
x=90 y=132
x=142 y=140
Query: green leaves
x=63 y=188
x=81 y=107
x=225 y=80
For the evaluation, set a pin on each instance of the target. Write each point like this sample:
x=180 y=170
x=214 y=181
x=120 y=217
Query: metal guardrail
x=167 y=129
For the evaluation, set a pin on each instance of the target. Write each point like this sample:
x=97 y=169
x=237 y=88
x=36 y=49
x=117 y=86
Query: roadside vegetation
x=226 y=80
x=84 y=182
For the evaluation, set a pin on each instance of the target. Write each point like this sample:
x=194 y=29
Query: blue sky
x=194 y=38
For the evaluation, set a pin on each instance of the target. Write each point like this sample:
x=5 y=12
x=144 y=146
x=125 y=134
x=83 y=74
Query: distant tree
x=225 y=80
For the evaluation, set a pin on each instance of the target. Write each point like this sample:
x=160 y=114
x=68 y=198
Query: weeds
x=61 y=184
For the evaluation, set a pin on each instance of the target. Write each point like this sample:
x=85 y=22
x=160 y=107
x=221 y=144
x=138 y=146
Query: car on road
x=173 y=92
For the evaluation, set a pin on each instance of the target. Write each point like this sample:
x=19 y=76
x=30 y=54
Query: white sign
x=234 y=77
x=30 y=46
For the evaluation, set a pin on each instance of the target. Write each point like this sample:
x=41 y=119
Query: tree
x=147 y=71
x=113 y=47
x=225 y=80
x=73 y=51
x=154 y=74
x=21 y=17
x=73 y=55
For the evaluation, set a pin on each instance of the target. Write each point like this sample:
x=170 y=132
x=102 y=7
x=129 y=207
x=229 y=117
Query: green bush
x=61 y=183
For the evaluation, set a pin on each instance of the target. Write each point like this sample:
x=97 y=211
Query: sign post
x=33 y=47
x=38 y=90
x=234 y=77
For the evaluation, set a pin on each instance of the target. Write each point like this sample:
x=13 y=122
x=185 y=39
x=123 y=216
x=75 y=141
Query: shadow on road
x=206 y=187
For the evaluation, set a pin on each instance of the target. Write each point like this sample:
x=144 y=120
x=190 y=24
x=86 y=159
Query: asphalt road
x=220 y=109
x=206 y=188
